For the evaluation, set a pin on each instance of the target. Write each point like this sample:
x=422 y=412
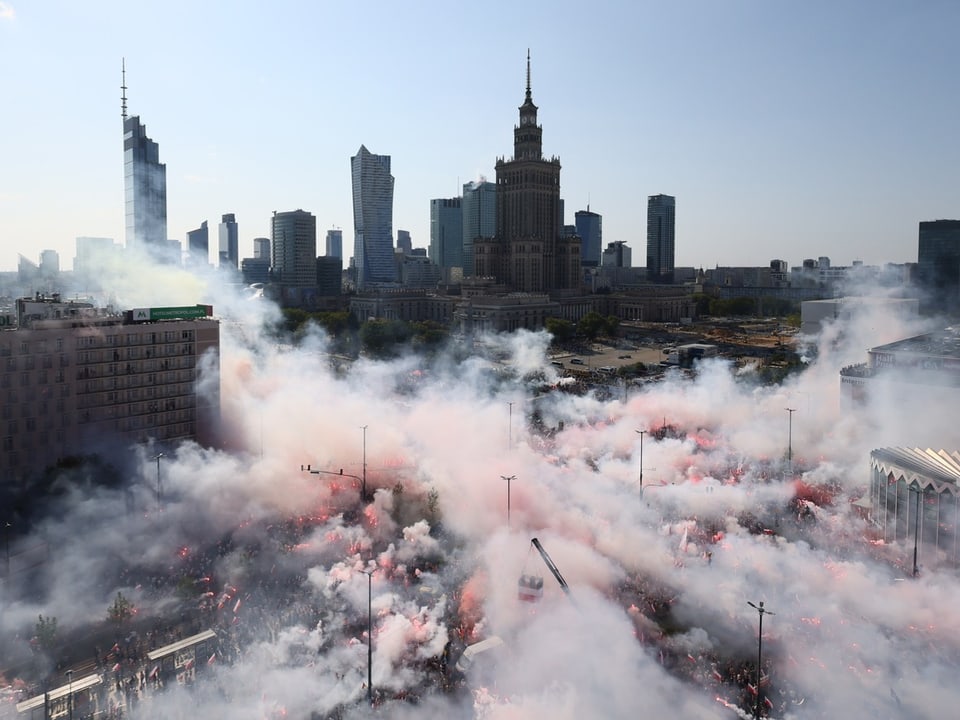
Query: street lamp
x=762 y=611
x=369 y=574
x=70 y=694
x=508 y=479
x=510 y=433
x=641 y=434
x=157 y=458
x=916 y=528
x=363 y=486
x=790 y=441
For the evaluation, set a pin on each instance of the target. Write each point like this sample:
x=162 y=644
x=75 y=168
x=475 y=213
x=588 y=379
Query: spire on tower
x=123 y=87
x=529 y=99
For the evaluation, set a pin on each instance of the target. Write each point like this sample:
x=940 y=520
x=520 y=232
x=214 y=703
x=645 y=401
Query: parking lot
x=599 y=355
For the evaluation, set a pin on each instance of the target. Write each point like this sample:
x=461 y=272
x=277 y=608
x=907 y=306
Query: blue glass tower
x=373 y=255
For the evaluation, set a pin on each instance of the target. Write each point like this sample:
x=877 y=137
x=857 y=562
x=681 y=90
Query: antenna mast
x=123 y=87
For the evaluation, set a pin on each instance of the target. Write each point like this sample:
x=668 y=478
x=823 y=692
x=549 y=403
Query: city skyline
x=782 y=132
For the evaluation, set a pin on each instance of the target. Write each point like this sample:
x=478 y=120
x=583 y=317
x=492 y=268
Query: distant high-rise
x=590 y=229
x=261 y=248
x=144 y=186
x=372 y=219
x=329 y=275
x=479 y=206
x=229 y=246
x=404 y=242
x=294 y=244
x=446 y=234
x=529 y=252
x=198 y=245
x=334 y=245
x=661 y=211
x=938 y=264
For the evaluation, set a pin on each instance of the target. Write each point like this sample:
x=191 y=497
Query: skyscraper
x=529 y=252
x=372 y=219
x=446 y=235
x=229 y=241
x=404 y=242
x=661 y=212
x=144 y=186
x=334 y=244
x=198 y=245
x=479 y=206
x=261 y=248
x=294 y=244
x=938 y=264
x=590 y=229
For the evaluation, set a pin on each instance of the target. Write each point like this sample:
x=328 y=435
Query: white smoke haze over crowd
x=657 y=621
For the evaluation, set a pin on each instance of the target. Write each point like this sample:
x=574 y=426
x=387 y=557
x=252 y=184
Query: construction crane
x=530 y=587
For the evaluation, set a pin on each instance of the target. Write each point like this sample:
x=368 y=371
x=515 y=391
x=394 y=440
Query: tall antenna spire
x=123 y=87
x=528 y=74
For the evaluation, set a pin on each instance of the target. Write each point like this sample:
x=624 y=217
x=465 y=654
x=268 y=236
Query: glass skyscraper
x=661 y=213
x=446 y=233
x=479 y=206
x=294 y=246
x=229 y=241
x=145 y=190
x=373 y=255
x=590 y=229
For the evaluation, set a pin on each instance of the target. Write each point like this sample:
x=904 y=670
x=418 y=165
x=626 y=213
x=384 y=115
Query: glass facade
x=145 y=189
x=373 y=219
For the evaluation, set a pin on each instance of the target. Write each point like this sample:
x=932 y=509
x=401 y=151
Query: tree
x=121 y=610
x=45 y=632
x=561 y=330
x=591 y=325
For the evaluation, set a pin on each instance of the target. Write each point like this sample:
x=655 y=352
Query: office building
x=261 y=248
x=372 y=219
x=294 y=244
x=144 y=187
x=661 y=213
x=446 y=235
x=78 y=380
x=334 y=243
x=479 y=210
x=255 y=270
x=938 y=265
x=617 y=255
x=404 y=242
x=198 y=246
x=229 y=245
x=329 y=276
x=528 y=253
x=590 y=229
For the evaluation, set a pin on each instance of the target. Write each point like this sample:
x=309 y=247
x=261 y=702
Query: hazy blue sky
x=785 y=129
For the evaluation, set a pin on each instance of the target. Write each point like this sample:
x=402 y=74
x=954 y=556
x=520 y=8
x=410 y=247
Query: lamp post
x=791 y=411
x=70 y=694
x=363 y=482
x=641 y=434
x=762 y=611
x=157 y=458
x=312 y=471
x=510 y=431
x=916 y=529
x=369 y=575
x=508 y=478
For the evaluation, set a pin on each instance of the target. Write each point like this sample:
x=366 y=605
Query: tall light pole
x=70 y=694
x=791 y=411
x=641 y=434
x=762 y=611
x=369 y=575
x=508 y=479
x=510 y=432
x=363 y=484
x=916 y=528
x=157 y=458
